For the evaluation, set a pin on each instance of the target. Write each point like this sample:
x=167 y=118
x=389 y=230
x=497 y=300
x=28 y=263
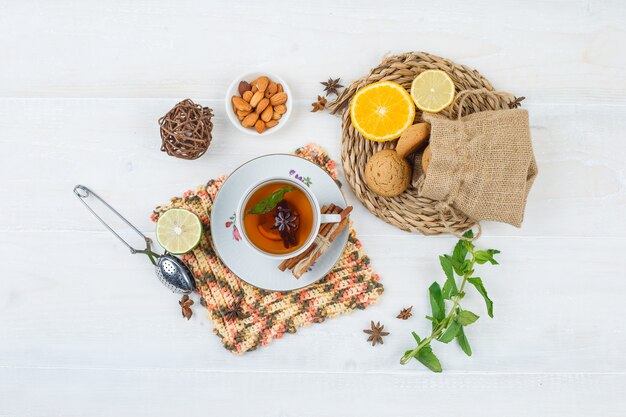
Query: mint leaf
x=462 y=339
x=428 y=359
x=468 y=234
x=416 y=337
x=450 y=333
x=465 y=318
x=483 y=256
x=458 y=257
x=449 y=287
x=478 y=283
x=268 y=203
x=436 y=302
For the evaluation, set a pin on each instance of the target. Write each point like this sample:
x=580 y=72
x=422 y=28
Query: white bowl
x=234 y=90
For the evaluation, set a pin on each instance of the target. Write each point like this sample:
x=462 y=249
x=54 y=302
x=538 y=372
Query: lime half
x=178 y=231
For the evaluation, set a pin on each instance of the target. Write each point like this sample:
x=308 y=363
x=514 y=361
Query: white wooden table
x=87 y=330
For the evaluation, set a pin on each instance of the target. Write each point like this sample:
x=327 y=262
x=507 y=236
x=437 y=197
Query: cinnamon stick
x=338 y=229
x=328 y=230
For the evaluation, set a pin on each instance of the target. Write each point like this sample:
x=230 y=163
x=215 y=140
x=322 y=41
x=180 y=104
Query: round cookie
x=387 y=174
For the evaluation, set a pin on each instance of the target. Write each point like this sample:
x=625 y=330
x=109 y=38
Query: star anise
x=405 y=313
x=376 y=333
x=234 y=313
x=320 y=104
x=185 y=304
x=331 y=86
x=287 y=223
x=517 y=101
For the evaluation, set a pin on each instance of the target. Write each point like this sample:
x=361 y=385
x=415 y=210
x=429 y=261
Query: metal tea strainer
x=170 y=270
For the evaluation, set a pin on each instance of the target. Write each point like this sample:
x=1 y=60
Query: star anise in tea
x=185 y=305
x=376 y=333
x=331 y=86
x=320 y=104
x=286 y=221
x=405 y=313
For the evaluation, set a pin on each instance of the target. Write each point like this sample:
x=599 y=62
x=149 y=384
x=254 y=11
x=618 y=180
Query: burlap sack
x=482 y=164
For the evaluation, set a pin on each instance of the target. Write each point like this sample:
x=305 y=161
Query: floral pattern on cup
x=231 y=223
x=306 y=180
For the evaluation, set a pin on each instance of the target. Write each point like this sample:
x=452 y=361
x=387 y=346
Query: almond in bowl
x=258 y=103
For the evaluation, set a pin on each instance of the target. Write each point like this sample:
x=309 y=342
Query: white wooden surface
x=86 y=329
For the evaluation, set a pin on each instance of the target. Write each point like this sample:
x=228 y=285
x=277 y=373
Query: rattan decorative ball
x=186 y=130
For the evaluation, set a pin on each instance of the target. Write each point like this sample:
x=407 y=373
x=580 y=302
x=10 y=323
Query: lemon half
x=432 y=91
x=178 y=231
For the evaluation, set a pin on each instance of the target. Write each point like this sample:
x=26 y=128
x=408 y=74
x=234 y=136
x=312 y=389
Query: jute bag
x=482 y=164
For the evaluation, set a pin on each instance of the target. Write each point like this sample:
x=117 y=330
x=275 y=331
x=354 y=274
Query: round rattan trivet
x=408 y=211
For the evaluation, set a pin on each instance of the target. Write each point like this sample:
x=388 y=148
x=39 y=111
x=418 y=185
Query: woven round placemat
x=408 y=211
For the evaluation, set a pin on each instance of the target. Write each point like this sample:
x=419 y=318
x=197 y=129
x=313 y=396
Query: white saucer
x=252 y=267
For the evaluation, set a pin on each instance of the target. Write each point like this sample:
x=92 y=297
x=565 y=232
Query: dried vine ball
x=186 y=130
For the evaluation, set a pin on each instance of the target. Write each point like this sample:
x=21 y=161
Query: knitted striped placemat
x=246 y=317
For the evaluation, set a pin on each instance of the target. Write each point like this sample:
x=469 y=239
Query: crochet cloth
x=246 y=317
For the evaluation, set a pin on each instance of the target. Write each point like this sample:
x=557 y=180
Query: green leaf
x=449 y=287
x=468 y=234
x=468 y=245
x=466 y=317
x=450 y=333
x=493 y=252
x=458 y=256
x=478 y=283
x=462 y=339
x=436 y=302
x=483 y=256
x=407 y=356
x=268 y=203
x=428 y=359
x=416 y=337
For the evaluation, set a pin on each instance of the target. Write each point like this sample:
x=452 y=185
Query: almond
x=256 y=98
x=248 y=96
x=276 y=116
x=243 y=87
x=250 y=120
x=272 y=89
x=241 y=104
x=261 y=83
x=242 y=114
x=259 y=126
x=280 y=109
x=280 y=88
x=262 y=105
x=278 y=98
x=267 y=114
x=271 y=123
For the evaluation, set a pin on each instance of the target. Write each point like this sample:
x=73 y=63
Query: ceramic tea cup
x=317 y=218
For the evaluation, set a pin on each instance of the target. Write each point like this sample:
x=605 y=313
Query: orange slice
x=382 y=111
x=271 y=234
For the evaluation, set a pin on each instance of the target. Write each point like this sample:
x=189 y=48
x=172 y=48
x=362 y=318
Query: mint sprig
x=269 y=202
x=449 y=324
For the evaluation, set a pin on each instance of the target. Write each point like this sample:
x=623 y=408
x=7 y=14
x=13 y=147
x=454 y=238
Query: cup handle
x=330 y=218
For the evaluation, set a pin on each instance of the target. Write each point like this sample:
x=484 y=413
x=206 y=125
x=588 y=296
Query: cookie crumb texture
x=387 y=174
